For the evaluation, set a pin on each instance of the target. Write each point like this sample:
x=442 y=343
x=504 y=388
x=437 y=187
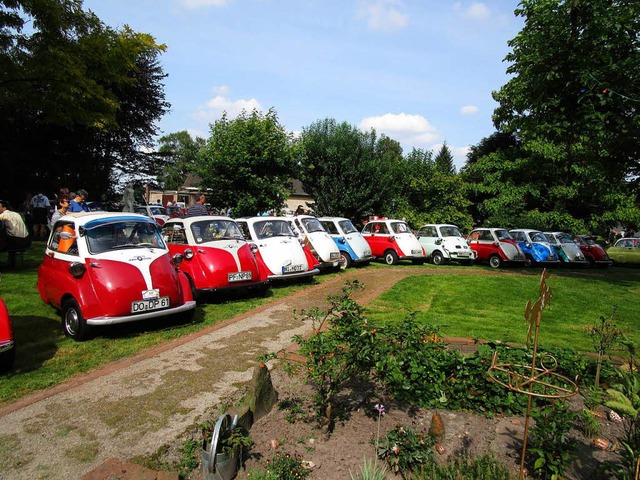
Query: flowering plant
x=404 y=449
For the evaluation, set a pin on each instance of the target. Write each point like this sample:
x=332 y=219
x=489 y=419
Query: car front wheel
x=345 y=261
x=495 y=261
x=437 y=258
x=390 y=257
x=73 y=322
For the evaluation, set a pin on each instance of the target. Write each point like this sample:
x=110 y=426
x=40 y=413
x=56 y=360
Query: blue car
x=354 y=249
x=535 y=246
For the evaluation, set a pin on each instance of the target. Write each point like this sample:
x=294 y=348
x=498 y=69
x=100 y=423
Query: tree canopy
x=78 y=99
x=247 y=163
x=179 y=153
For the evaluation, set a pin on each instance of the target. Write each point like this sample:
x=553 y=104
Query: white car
x=444 y=242
x=352 y=245
x=278 y=247
x=322 y=246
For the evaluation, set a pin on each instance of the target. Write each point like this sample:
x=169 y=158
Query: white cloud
x=475 y=11
x=409 y=130
x=469 y=110
x=214 y=108
x=193 y=4
x=383 y=15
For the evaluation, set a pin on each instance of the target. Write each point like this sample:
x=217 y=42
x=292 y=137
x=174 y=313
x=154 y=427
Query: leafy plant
x=625 y=400
x=282 y=466
x=405 y=450
x=550 y=446
x=294 y=405
x=604 y=335
x=485 y=467
x=588 y=423
x=371 y=470
x=190 y=458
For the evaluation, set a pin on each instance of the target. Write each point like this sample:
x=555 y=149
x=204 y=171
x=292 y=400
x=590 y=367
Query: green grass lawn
x=45 y=357
x=492 y=307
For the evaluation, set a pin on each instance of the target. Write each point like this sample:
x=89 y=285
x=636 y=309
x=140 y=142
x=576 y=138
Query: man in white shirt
x=13 y=231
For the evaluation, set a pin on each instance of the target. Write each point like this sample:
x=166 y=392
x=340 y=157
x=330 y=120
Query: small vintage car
x=278 y=247
x=353 y=247
x=393 y=240
x=216 y=256
x=7 y=342
x=566 y=248
x=496 y=246
x=625 y=251
x=535 y=246
x=157 y=212
x=593 y=252
x=107 y=268
x=316 y=238
x=443 y=243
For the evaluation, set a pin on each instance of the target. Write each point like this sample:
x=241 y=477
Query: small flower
x=380 y=408
x=396 y=449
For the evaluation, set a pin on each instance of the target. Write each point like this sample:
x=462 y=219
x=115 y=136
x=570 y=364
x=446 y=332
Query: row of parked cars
x=104 y=268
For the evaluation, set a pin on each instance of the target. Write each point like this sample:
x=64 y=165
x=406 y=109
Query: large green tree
x=571 y=106
x=247 y=163
x=179 y=153
x=78 y=100
x=349 y=172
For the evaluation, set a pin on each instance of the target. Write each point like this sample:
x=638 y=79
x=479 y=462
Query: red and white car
x=496 y=246
x=216 y=255
x=7 y=342
x=279 y=248
x=393 y=240
x=103 y=268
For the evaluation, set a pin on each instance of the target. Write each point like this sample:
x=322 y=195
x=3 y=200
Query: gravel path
x=138 y=405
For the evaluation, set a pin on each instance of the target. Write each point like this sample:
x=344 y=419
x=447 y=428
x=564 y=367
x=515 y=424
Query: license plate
x=239 y=276
x=463 y=254
x=293 y=268
x=416 y=252
x=147 y=305
x=334 y=256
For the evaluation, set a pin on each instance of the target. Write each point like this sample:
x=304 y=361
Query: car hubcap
x=71 y=321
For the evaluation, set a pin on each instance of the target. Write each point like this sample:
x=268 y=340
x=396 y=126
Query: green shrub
x=282 y=466
x=405 y=450
x=485 y=467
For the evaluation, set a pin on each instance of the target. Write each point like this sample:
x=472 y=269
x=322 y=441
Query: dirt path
x=136 y=406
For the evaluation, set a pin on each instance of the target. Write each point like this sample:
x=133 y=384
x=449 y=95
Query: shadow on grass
x=36 y=341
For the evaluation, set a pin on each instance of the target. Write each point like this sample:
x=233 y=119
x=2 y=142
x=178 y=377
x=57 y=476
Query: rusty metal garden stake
x=541 y=381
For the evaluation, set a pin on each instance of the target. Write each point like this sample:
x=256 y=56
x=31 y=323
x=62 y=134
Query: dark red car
x=7 y=343
x=593 y=251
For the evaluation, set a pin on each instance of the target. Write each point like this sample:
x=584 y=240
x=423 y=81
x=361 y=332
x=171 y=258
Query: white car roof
x=199 y=218
x=252 y=220
x=82 y=218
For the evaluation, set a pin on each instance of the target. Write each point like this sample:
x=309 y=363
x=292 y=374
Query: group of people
x=17 y=231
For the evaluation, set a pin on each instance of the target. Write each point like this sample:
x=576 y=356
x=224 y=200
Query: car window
x=312 y=225
x=174 y=233
x=212 y=230
x=244 y=228
x=427 y=232
x=347 y=227
x=114 y=234
x=485 y=235
x=330 y=227
x=400 y=227
x=64 y=239
x=550 y=237
x=503 y=235
x=566 y=238
x=519 y=236
x=450 y=231
x=272 y=228
x=538 y=237
x=474 y=236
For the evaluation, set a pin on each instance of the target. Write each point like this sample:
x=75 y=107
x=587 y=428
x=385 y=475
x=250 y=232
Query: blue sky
x=419 y=71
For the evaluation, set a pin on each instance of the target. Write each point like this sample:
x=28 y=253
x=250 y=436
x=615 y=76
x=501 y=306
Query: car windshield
x=212 y=230
x=580 y=241
x=347 y=227
x=449 y=231
x=312 y=225
x=538 y=237
x=116 y=234
x=503 y=235
x=157 y=210
x=566 y=238
x=272 y=228
x=550 y=237
x=400 y=227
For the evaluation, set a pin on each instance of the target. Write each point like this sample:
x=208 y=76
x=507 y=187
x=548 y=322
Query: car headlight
x=188 y=254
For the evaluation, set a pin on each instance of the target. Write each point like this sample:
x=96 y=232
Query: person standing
x=13 y=231
x=79 y=202
x=63 y=208
x=198 y=208
x=40 y=206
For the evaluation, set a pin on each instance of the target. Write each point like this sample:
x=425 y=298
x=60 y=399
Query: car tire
x=345 y=261
x=73 y=322
x=391 y=257
x=528 y=261
x=495 y=261
x=437 y=258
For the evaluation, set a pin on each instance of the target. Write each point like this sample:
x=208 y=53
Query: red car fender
x=6 y=332
x=185 y=286
x=311 y=260
x=262 y=267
